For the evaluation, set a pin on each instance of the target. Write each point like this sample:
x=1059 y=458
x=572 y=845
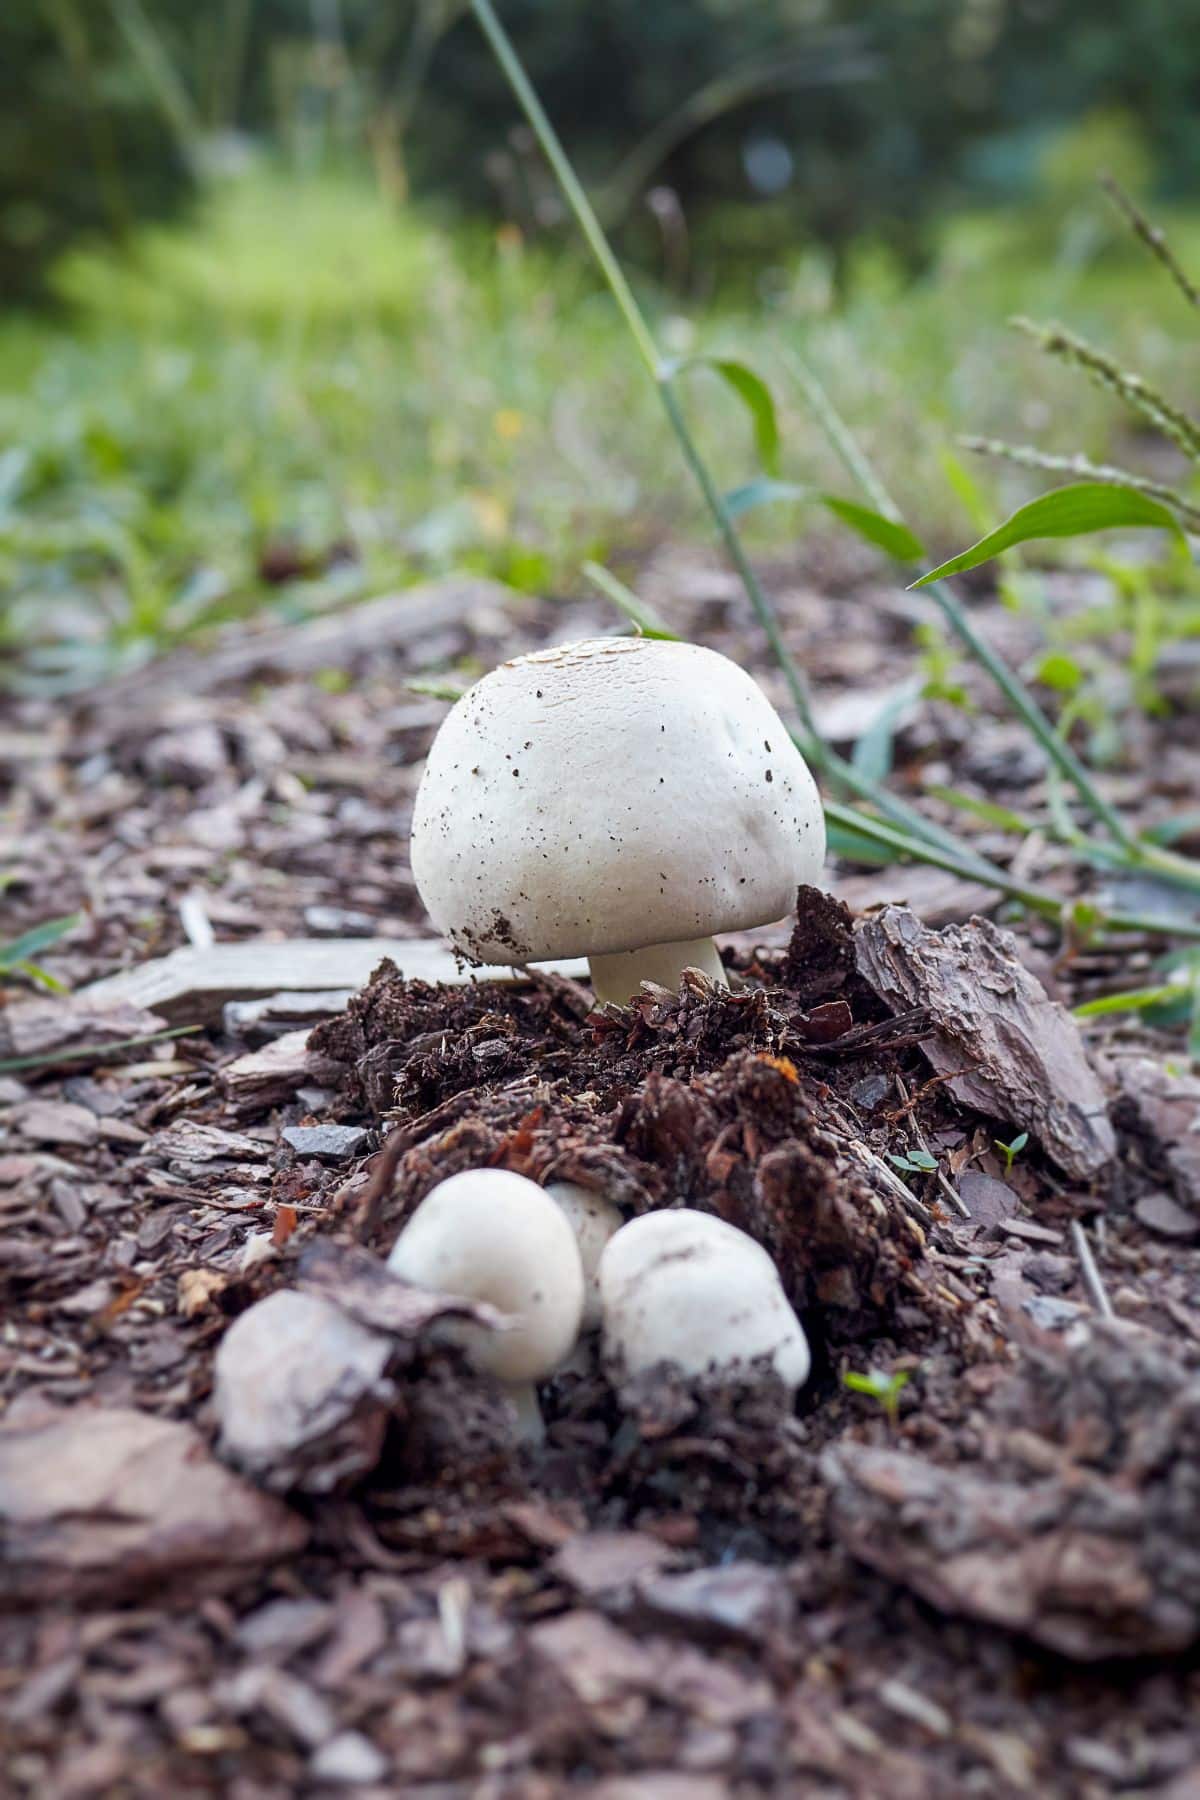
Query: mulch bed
x=688 y=1591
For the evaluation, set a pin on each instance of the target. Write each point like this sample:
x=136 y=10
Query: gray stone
x=334 y=1143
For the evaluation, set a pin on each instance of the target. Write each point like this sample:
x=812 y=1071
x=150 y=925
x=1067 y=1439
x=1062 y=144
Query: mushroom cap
x=686 y=1288
x=595 y=1222
x=609 y=795
x=488 y=1234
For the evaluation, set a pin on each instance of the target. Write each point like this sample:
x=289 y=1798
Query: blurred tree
x=772 y=118
x=83 y=145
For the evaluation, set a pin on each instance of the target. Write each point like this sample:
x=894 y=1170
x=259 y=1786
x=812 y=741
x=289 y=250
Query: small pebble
x=334 y=1142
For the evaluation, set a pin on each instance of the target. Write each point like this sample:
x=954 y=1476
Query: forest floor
x=683 y=1593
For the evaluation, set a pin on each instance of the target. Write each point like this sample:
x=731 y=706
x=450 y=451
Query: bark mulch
x=983 y=1580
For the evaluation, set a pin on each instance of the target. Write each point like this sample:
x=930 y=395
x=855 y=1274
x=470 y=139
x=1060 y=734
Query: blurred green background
x=292 y=312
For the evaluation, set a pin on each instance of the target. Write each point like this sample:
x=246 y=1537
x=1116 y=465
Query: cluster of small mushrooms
x=677 y=1286
x=623 y=799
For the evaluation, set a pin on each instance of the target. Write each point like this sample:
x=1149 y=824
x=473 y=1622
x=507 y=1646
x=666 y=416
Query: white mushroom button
x=594 y=1220
x=686 y=1288
x=620 y=799
x=489 y=1234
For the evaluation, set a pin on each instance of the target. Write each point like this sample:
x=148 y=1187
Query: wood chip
x=110 y=1503
x=192 y=986
x=57 y=1028
x=55 y=1122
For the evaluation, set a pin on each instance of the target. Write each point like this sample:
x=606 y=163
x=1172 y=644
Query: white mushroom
x=488 y=1234
x=686 y=1288
x=619 y=798
x=594 y=1220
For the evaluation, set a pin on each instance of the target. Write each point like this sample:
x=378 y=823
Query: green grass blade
x=50 y=1059
x=22 y=949
x=750 y=389
x=1003 y=817
x=887 y=534
x=875 y=527
x=625 y=600
x=1133 y=1000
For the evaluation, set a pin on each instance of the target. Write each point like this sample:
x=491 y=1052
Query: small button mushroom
x=686 y=1288
x=488 y=1234
x=594 y=1220
x=618 y=798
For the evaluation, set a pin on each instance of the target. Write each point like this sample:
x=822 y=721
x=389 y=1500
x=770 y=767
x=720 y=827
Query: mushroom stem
x=617 y=977
x=531 y=1427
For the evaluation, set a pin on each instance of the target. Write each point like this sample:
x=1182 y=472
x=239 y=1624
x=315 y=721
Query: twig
x=897 y=1188
x=1154 y=239
x=956 y=1201
x=947 y=1187
x=1092 y=1279
x=193 y=916
x=902 y=1112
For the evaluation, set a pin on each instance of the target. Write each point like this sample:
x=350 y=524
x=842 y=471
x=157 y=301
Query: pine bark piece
x=1063 y=1562
x=263 y=1077
x=103 y=1504
x=56 y=1029
x=1015 y=1054
x=304 y=1382
x=301 y=1395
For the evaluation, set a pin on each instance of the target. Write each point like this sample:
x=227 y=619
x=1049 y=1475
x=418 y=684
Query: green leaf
x=851 y=846
x=899 y=542
x=872 y=754
x=914 y=1161
x=434 y=689
x=1169 y=831
x=965 y=488
x=1060 y=672
x=42 y=977
x=1132 y=1000
x=745 y=499
x=21 y=949
x=1072 y=511
x=886 y=534
x=875 y=1383
x=751 y=390
x=1001 y=816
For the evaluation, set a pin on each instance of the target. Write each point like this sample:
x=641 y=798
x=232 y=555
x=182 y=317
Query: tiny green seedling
x=915 y=1162
x=878 y=1385
x=16 y=957
x=1010 y=1152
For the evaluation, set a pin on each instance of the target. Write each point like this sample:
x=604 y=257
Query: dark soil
x=684 y=1592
